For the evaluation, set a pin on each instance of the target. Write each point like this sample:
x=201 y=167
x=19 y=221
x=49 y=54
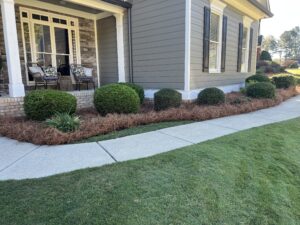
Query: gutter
x=261 y=7
x=123 y=4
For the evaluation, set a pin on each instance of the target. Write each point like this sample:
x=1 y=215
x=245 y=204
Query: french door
x=49 y=39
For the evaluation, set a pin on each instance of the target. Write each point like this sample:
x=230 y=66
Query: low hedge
x=116 y=98
x=167 y=98
x=257 y=78
x=284 y=81
x=211 y=96
x=43 y=104
x=261 y=90
x=138 y=89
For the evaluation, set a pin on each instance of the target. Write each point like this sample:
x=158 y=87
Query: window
x=49 y=39
x=246 y=44
x=215 y=36
x=215 y=45
x=245 y=49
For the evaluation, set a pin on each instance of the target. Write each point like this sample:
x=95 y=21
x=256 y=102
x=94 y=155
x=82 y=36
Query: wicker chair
x=44 y=76
x=81 y=75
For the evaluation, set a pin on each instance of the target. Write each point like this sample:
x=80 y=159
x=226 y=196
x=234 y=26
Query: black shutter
x=206 y=39
x=240 y=47
x=250 y=50
x=224 y=40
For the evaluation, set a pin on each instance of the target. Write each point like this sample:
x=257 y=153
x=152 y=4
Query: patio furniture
x=44 y=76
x=82 y=75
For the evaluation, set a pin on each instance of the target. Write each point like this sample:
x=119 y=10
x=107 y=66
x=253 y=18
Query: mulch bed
x=92 y=124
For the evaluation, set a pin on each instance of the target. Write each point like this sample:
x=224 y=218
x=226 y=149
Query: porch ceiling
x=73 y=6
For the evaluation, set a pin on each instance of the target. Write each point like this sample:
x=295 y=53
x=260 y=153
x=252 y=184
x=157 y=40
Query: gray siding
x=107 y=48
x=108 y=58
x=158 y=32
x=231 y=76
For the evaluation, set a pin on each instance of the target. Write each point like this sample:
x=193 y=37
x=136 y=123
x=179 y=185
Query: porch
x=56 y=33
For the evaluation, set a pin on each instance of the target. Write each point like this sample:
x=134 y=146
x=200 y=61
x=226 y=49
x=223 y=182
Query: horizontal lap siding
x=158 y=32
x=199 y=79
x=108 y=59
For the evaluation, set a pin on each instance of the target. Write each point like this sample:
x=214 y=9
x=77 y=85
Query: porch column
x=16 y=87
x=120 y=45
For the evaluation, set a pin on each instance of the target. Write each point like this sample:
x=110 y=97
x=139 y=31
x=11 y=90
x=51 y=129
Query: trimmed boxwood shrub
x=257 y=78
x=265 y=55
x=116 y=98
x=261 y=90
x=284 y=81
x=43 y=104
x=138 y=89
x=211 y=96
x=167 y=98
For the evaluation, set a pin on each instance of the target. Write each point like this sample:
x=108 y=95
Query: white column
x=16 y=87
x=120 y=45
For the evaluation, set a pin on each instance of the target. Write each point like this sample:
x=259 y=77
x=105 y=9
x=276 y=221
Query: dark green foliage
x=211 y=96
x=257 y=78
x=43 y=104
x=64 y=122
x=138 y=89
x=116 y=98
x=294 y=65
x=265 y=55
x=284 y=81
x=261 y=90
x=167 y=98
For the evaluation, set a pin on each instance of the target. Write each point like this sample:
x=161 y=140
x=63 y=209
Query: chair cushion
x=88 y=71
x=50 y=71
x=78 y=71
x=36 y=69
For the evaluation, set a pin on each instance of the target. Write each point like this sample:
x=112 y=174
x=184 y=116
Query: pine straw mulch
x=92 y=124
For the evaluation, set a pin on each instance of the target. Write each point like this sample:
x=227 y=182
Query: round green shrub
x=257 y=78
x=265 y=55
x=43 y=104
x=167 y=98
x=284 y=81
x=138 y=89
x=261 y=90
x=116 y=98
x=211 y=96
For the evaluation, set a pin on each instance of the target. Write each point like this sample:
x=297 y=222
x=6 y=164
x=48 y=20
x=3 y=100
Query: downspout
x=130 y=58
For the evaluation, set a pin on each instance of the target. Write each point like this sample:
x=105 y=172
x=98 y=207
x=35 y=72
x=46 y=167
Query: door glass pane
x=62 y=41
x=42 y=38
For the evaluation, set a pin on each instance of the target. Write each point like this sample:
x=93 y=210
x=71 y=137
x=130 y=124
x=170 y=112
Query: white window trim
x=217 y=7
x=51 y=24
x=247 y=22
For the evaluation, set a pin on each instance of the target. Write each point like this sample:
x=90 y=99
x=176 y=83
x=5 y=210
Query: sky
x=286 y=16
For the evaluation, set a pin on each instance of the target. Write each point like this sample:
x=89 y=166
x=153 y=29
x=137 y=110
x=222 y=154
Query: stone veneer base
x=14 y=107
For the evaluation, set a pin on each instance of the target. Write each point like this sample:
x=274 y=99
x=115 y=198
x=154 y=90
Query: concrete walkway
x=23 y=160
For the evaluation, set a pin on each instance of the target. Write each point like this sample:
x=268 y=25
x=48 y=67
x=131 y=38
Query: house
x=181 y=44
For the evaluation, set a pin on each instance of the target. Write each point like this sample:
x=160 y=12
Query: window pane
x=213 y=55
x=42 y=38
x=214 y=27
x=44 y=59
x=245 y=35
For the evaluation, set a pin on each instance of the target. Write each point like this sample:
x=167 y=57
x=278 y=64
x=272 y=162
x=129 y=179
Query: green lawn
x=135 y=130
x=294 y=71
x=248 y=178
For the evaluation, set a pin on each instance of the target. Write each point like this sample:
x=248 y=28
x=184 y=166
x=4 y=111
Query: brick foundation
x=14 y=107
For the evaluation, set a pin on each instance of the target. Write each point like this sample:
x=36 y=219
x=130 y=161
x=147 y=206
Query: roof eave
x=123 y=4
x=267 y=12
